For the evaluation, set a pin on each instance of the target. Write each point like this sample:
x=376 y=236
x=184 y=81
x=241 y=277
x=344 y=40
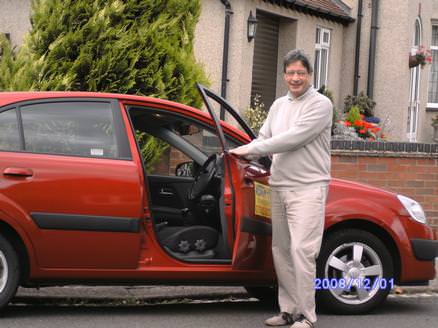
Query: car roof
x=7 y=98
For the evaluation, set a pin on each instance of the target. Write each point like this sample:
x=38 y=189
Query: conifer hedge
x=140 y=47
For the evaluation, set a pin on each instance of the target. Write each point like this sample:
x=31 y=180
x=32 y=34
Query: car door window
x=70 y=128
x=167 y=141
x=206 y=140
x=9 y=135
x=159 y=157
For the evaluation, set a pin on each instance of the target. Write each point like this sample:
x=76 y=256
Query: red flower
x=358 y=123
x=362 y=131
x=347 y=123
x=367 y=125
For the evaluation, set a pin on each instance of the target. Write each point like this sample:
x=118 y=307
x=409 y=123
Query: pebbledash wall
x=410 y=169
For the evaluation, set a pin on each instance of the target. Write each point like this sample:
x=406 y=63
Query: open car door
x=249 y=228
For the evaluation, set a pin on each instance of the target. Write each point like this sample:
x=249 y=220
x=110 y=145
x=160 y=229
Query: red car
x=84 y=200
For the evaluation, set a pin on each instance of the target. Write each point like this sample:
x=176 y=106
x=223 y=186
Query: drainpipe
x=372 y=54
x=357 y=54
x=228 y=13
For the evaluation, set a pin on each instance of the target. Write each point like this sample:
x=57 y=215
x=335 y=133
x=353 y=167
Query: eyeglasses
x=299 y=73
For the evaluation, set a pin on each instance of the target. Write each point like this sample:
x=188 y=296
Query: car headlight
x=414 y=208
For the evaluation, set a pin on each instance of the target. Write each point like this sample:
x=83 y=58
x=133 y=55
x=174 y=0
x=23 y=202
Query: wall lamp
x=252 y=26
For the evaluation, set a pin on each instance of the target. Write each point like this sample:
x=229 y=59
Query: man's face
x=297 y=78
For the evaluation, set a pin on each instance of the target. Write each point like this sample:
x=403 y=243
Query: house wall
x=392 y=74
x=208 y=44
x=296 y=30
x=14 y=19
x=394 y=41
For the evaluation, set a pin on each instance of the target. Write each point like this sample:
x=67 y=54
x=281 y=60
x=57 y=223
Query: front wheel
x=9 y=272
x=355 y=272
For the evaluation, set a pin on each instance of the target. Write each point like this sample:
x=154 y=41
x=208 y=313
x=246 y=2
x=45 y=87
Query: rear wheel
x=9 y=272
x=355 y=272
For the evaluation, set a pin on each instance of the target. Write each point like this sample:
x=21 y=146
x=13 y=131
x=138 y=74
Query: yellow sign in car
x=262 y=200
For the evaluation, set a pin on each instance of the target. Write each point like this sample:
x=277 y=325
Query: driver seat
x=189 y=242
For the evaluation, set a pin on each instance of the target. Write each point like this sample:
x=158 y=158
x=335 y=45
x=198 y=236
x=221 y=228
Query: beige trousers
x=297 y=228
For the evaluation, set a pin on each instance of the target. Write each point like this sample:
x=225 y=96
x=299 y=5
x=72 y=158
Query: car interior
x=185 y=185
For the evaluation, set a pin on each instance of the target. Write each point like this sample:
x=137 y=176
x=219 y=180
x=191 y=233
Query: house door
x=264 y=70
x=414 y=101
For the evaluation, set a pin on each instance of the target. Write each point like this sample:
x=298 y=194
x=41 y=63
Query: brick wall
x=408 y=172
x=170 y=158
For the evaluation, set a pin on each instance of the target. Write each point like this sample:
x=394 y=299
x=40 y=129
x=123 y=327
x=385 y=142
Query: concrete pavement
x=125 y=294
x=154 y=294
x=131 y=295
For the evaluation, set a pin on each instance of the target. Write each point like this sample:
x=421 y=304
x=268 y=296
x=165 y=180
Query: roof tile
x=327 y=8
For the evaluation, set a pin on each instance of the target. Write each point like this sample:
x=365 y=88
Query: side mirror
x=185 y=169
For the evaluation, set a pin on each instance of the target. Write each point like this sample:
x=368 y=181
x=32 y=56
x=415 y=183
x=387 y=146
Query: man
x=297 y=133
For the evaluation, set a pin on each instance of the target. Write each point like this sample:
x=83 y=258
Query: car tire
x=9 y=272
x=355 y=272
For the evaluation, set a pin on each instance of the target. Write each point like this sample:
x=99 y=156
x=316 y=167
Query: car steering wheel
x=203 y=177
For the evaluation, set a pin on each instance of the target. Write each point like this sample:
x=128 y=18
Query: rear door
x=250 y=231
x=74 y=178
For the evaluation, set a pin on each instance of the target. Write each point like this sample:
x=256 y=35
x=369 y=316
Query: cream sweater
x=297 y=133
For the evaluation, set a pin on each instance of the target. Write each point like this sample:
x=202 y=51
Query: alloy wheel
x=4 y=272
x=355 y=273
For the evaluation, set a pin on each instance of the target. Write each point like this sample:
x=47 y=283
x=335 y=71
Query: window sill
x=432 y=107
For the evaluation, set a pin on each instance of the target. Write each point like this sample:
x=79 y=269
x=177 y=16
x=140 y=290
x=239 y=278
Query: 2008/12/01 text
x=361 y=283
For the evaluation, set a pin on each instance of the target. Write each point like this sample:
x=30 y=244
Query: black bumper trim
x=255 y=226
x=425 y=249
x=61 y=221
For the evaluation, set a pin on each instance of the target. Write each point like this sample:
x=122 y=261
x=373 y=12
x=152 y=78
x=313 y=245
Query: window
x=415 y=86
x=207 y=141
x=9 y=136
x=322 y=47
x=433 y=75
x=174 y=139
x=70 y=128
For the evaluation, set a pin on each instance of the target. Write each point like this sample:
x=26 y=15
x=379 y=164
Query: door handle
x=18 y=172
x=166 y=192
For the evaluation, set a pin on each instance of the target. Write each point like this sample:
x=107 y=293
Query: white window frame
x=432 y=47
x=319 y=46
x=414 y=86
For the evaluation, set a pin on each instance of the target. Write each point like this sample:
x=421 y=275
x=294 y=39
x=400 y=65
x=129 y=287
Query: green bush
x=151 y=149
x=142 y=47
x=326 y=92
x=353 y=115
x=138 y=47
x=256 y=114
x=366 y=104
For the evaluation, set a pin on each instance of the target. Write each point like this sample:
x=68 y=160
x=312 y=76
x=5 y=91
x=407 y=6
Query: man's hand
x=240 y=151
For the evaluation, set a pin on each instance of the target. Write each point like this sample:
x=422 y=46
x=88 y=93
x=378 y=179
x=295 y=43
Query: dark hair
x=297 y=55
